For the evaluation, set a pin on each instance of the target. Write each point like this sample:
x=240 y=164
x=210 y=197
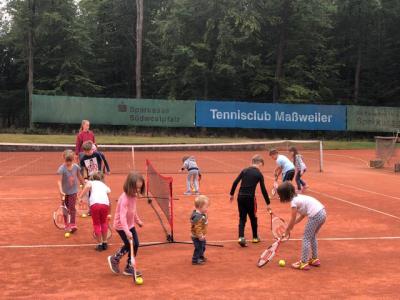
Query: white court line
x=21 y=167
x=355 y=204
x=27 y=198
x=373 y=238
x=348 y=156
x=4 y=160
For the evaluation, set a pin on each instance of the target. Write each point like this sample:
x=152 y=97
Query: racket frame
x=274 y=249
x=133 y=262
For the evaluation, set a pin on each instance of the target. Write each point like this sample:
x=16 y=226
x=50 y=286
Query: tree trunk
x=31 y=4
x=357 y=75
x=139 y=43
x=281 y=51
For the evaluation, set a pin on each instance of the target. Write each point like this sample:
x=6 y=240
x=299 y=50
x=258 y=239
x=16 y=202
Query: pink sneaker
x=301 y=266
x=315 y=262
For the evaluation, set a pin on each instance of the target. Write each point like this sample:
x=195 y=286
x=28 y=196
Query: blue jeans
x=199 y=249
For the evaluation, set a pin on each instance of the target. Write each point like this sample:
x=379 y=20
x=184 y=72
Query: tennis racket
x=135 y=276
x=61 y=216
x=269 y=254
x=274 y=188
x=278 y=227
x=109 y=233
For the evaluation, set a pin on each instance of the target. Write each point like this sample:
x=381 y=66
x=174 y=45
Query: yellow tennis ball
x=84 y=215
x=282 y=263
x=67 y=235
x=139 y=280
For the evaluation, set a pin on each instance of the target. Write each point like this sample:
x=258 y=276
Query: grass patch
x=142 y=140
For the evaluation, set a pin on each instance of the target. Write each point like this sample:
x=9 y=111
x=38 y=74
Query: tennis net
x=44 y=159
x=386 y=149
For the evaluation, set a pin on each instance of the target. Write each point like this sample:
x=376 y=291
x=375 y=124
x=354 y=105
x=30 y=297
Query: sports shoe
x=129 y=271
x=113 y=263
x=203 y=258
x=315 y=262
x=256 y=240
x=301 y=266
x=197 y=193
x=73 y=228
x=105 y=246
x=242 y=242
x=198 y=262
x=187 y=193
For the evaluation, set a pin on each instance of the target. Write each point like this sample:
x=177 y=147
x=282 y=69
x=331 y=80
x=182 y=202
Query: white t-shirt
x=285 y=163
x=306 y=205
x=98 y=193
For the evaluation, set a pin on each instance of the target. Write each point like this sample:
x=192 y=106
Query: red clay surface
x=358 y=245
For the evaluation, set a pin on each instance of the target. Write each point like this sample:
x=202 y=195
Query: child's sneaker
x=242 y=242
x=105 y=246
x=73 y=228
x=203 y=259
x=256 y=240
x=99 y=247
x=197 y=193
x=129 y=271
x=301 y=266
x=198 y=262
x=113 y=264
x=315 y=262
x=187 y=193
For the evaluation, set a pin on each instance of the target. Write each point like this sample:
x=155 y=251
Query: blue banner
x=270 y=115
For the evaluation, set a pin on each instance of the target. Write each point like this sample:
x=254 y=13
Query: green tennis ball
x=282 y=263
x=84 y=215
x=139 y=281
x=67 y=235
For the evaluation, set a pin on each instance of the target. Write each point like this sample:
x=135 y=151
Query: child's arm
x=234 y=185
x=264 y=191
x=277 y=172
x=80 y=178
x=106 y=165
x=300 y=218
x=85 y=190
x=292 y=221
x=60 y=188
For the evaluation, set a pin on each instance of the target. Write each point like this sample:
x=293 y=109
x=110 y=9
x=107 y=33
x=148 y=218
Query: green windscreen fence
x=373 y=119
x=109 y=111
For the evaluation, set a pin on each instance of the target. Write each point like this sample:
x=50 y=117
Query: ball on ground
x=67 y=235
x=139 y=281
x=282 y=263
x=84 y=215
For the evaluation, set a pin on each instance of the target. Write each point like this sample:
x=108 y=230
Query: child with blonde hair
x=199 y=223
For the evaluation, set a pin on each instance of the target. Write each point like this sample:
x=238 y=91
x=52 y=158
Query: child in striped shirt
x=300 y=169
x=125 y=219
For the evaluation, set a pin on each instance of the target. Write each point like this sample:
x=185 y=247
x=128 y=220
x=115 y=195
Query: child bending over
x=304 y=206
x=190 y=164
x=100 y=208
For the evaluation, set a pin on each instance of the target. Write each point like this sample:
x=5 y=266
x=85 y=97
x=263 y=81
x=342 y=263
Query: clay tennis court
x=358 y=245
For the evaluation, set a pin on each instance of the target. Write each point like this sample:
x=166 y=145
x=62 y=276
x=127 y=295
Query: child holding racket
x=190 y=164
x=304 y=206
x=68 y=185
x=247 y=205
x=199 y=221
x=100 y=208
x=283 y=166
x=125 y=218
x=300 y=168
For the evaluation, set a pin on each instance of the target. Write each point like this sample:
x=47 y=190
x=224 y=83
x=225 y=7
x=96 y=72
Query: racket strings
x=278 y=227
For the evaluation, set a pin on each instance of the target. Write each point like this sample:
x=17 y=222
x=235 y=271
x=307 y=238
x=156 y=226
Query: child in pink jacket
x=124 y=221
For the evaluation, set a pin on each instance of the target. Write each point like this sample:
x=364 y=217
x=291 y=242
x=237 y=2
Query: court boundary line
x=327 y=239
x=9 y=173
x=354 y=204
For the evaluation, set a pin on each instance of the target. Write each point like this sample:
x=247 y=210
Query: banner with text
x=271 y=116
x=108 y=111
x=374 y=119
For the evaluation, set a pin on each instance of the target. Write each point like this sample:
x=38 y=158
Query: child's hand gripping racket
x=61 y=216
x=82 y=205
x=136 y=279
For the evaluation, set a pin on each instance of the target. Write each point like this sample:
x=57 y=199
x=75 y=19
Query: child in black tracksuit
x=247 y=204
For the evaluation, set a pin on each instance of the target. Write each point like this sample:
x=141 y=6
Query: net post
x=321 y=156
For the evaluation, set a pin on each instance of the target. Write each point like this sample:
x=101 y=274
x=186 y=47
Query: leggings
x=289 y=175
x=311 y=230
x=99 y=217
x=126 y=248
x=247 y=206
x=300 y=182
x=70 y=201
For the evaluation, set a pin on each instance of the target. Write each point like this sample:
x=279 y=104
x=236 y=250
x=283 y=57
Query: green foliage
x=211 y=49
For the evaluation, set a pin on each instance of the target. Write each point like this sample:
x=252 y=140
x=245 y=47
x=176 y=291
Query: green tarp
x=373 y=119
